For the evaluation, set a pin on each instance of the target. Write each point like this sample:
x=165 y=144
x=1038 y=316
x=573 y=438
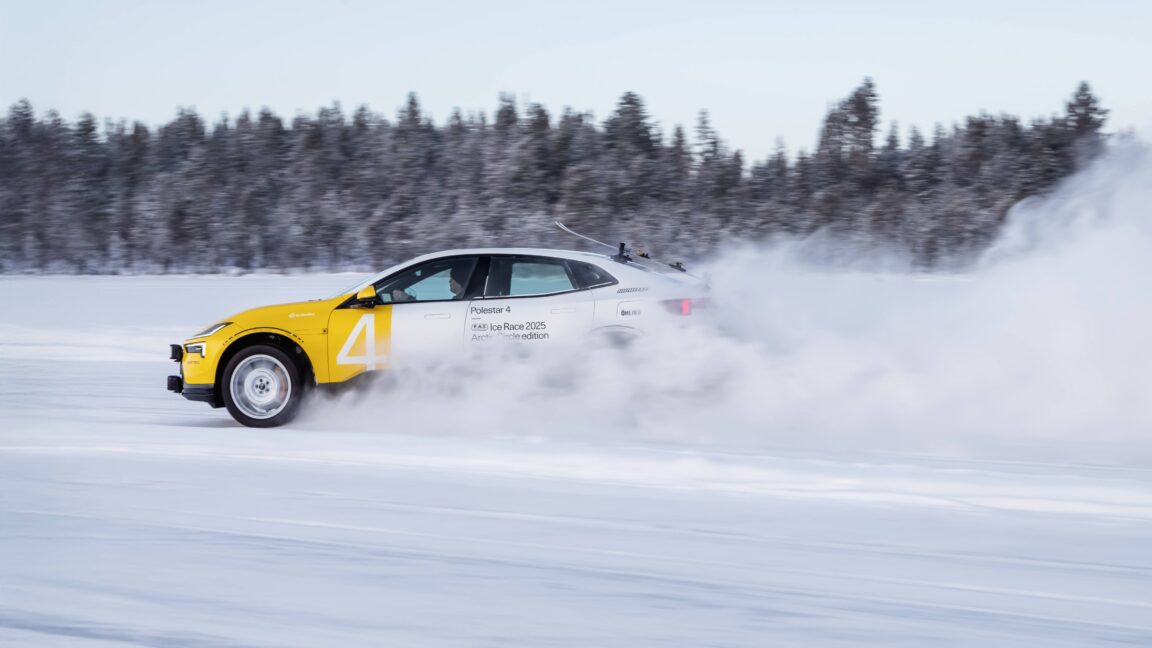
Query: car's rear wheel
x=262 y=387
x=615 y=337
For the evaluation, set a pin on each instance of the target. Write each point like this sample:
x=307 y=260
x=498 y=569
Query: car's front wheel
x=262 y=387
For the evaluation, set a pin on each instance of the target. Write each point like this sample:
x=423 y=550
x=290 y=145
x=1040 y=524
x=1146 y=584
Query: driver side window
x=439 y=280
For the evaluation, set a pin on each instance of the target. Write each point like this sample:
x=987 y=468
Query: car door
x=529 y=300
x=419 y=319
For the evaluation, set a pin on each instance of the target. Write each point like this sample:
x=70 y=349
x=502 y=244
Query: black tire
x=268 y=391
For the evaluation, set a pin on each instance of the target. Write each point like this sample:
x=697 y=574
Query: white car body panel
x=541 y=321
x=424 y=331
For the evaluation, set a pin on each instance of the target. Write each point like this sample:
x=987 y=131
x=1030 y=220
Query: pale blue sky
x=763 y=69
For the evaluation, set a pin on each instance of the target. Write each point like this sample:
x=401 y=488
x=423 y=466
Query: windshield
x=354 y=288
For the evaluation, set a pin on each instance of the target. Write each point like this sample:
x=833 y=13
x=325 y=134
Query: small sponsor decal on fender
x=630 y=309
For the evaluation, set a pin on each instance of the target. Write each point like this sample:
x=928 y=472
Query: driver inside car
x=457 y=275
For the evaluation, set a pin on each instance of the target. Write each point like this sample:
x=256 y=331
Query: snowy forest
x=359 y=191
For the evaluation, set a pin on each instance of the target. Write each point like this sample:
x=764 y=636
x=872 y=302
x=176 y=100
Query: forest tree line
x=337 y=191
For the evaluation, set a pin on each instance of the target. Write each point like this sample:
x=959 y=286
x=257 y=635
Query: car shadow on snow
x=205 y=423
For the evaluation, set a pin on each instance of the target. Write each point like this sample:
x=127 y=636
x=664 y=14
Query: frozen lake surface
x=131 y=517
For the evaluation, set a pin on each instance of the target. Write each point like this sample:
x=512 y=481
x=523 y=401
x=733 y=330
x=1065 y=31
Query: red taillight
x=682 y=306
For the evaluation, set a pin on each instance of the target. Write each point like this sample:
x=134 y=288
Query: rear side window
x=587 y=275
x=523 y=276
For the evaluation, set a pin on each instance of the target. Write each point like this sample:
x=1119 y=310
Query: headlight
x=196 y=347
x=211 y=329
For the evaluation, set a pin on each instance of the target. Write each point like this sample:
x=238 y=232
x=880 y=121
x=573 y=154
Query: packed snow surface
x=129 y=516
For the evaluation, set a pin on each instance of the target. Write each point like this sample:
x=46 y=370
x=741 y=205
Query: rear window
x=587 y=275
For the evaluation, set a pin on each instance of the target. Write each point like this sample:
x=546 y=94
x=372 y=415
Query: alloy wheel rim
x=261 y=387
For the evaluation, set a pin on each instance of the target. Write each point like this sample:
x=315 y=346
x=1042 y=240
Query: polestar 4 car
x=260 y=363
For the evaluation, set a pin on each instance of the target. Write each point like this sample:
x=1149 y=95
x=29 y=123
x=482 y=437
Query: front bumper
x=201 y=393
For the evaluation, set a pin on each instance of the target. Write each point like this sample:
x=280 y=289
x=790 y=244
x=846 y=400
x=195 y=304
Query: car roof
x=630 y=267
x=643 y=265
x=565 y=254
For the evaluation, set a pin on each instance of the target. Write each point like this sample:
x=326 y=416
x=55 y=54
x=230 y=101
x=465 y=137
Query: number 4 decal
x=367 y=326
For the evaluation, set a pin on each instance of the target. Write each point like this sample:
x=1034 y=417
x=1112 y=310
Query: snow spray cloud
x=1042 y=352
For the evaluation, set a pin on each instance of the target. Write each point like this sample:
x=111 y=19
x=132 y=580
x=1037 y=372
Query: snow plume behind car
x=1041 y=351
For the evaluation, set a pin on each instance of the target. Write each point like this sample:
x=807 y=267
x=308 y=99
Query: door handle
x=438 y=316
x=563 y=311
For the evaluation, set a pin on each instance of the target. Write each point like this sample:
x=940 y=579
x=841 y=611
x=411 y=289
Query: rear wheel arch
x=615 y=335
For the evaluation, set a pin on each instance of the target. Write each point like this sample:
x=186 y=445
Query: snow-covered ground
x=129 y=516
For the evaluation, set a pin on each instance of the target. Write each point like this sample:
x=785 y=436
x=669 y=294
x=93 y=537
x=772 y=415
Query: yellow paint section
x=359 y=340
x=305 y=323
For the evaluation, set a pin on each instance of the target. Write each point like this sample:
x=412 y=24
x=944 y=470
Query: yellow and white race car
x=261 y=363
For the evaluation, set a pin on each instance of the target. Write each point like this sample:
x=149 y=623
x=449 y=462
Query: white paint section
x=427 y=332
x=546 y=320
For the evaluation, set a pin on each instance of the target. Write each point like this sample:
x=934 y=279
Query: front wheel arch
x=290 y=347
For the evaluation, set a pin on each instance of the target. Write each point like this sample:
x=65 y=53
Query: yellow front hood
x=297 y=317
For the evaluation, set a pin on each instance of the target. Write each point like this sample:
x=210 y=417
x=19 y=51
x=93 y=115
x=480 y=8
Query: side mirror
x=366 y=298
